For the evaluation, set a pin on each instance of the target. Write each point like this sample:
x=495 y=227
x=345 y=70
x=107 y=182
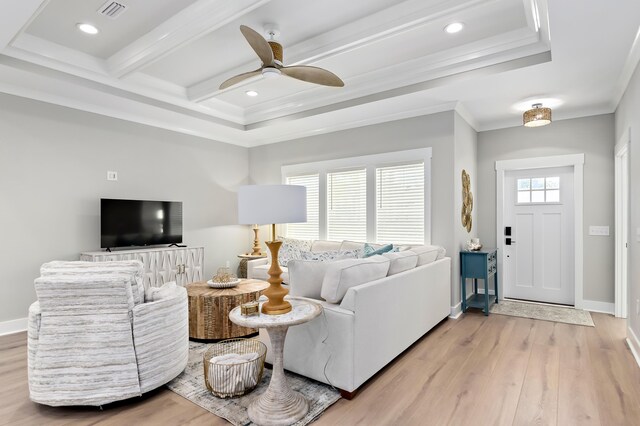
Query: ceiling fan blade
x=313 y=75
x=240 y=77
x=258 y=44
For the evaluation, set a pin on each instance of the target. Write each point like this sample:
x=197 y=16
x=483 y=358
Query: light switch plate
x=112 y=175
x=601 y=231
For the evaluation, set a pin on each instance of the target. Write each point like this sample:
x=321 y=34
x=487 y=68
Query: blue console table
x=482 y=264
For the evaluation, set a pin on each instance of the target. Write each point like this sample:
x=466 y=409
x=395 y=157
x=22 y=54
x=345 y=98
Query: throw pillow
x=401 y=261
x=341 y=275
x=153 y=294
x=305 y=277
x=427 y=254
x=290 y=250
x=369 y=250
x=324 y=256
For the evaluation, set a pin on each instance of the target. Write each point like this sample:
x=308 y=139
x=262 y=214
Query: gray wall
x=465 y=158
x=435 y=131
x=593 y=136
x=628 y=117
x=53 y=164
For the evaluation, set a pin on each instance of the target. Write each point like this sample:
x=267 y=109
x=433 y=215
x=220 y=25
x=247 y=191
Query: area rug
x=190 y=385
x=543 y=312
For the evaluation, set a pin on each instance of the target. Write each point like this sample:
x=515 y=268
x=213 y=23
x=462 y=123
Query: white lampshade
x=269 y=204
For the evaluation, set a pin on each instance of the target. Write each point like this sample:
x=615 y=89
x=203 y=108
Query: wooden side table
x=481 y=264
x=244 y=258
x=279 y=404
x=209 y=309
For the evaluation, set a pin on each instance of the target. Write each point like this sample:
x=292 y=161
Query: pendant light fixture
x=537 y=116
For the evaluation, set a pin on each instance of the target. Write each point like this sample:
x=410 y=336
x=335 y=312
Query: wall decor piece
x=467 y=201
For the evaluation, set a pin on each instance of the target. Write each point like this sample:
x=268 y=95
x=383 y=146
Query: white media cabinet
x=183 y=265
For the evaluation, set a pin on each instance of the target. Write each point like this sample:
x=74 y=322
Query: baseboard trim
x=596 y=306
x=456 y=311
x=13 y=326
x=634 y=344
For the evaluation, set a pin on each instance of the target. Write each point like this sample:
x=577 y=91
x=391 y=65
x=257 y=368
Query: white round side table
x=280 y=404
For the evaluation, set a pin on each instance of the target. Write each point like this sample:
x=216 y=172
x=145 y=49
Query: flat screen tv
x=125 y=223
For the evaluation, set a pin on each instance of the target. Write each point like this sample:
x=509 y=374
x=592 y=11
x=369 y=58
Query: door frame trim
x=575 y=160
x=621 y=148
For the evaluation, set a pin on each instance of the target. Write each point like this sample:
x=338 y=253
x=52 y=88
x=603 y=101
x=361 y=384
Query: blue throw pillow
x=370 y=251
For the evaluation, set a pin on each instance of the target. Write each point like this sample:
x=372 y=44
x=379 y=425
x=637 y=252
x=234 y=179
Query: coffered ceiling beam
x=197 y=20
x=386 y=23
x=16 y=15
x=410 y=89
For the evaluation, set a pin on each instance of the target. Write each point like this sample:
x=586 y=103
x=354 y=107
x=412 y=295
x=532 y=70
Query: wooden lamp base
x=275 y=293
x=257 y=250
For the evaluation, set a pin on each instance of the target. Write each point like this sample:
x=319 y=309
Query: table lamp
x=273 y=204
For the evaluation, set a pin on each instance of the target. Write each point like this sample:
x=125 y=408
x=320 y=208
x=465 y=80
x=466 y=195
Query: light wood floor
x=495 y=370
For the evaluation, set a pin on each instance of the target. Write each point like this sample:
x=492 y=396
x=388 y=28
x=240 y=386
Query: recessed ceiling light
x=251 y=93
x=87 y=28
x=454 y=27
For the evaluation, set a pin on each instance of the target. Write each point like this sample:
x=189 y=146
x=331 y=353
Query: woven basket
x=227 y=380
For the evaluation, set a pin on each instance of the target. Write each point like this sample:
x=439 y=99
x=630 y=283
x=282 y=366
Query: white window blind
x=347 y=205
x=311 y=229
x=400 y=204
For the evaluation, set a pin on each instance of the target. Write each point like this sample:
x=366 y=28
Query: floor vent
x=112 y=9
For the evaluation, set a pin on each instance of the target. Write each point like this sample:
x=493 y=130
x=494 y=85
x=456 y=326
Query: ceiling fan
x=270 y=53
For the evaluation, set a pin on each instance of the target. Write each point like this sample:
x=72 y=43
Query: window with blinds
x=347 y=205
x=400 y=204
x=310 y=230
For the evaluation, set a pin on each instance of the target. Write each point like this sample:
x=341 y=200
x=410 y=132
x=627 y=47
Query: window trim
x=370 y=162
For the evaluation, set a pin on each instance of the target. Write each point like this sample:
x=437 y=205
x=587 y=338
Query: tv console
x=183 y=265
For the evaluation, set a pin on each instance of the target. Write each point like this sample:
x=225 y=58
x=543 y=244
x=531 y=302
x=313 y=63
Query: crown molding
x=630 y=66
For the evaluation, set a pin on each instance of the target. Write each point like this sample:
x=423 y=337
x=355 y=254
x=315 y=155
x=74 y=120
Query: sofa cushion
x=427 y=254
x=324 y=245
x=351 y=245
x=324 y=256
x=262 y=273
x=306 y=277
x=401 y=261
x=341 y=275
x=370 y=250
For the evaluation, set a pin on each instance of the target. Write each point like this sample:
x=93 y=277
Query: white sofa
x=373 y=323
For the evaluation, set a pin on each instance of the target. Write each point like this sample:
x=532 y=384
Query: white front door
x=539 y=257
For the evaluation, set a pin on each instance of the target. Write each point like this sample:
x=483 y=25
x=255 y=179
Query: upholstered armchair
x=93 y=339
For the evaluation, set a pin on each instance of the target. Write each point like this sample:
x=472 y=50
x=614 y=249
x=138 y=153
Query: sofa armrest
x=251 y=264
x=161 y=338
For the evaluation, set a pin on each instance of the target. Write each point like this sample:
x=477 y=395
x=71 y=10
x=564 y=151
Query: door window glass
x=538 y=190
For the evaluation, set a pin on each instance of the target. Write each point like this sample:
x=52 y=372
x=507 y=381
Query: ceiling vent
x=112 y=9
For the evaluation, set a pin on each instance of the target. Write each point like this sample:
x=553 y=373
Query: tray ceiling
x=161 y=62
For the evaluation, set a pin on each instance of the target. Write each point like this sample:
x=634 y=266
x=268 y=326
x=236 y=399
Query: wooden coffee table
x=209 y=309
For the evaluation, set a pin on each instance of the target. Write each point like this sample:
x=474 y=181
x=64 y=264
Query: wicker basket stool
x=228 y=380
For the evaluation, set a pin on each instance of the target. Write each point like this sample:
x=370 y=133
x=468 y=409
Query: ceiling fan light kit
x=537 y=116
x=271 y=54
